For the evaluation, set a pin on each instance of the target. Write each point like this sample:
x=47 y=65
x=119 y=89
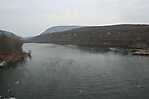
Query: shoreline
x=140 y=52
x=130 y=50
x=12 y=57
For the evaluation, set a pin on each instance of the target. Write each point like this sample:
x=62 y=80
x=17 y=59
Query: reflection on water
x=62 y=72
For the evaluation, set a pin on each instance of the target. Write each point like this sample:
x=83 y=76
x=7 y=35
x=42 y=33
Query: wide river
x=68 y=72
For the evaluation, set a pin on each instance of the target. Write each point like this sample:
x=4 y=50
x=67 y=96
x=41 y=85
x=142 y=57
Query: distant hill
x=10 y=42
x=55 y=29
x=59 y=29
x=8 y=34
x=125 y=35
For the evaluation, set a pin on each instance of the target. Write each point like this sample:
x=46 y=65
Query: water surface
x=68 y=72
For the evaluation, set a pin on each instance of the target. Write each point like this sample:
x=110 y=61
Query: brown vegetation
x=13 y=57
x=11 y=48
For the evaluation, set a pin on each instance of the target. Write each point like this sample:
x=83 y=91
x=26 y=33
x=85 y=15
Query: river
x=69 y=72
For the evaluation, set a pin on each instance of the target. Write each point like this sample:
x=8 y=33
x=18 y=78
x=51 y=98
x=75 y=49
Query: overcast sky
x=31 y=17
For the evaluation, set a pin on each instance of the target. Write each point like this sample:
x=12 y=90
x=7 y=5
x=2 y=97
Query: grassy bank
x=13 y=57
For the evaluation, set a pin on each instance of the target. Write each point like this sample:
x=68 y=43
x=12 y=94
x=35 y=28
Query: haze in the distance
x=31 y=17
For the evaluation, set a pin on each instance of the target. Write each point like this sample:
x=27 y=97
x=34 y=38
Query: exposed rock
x=3 y=63
x=143 y=52
x=7 y=97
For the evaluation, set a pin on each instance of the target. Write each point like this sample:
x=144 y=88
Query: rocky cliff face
x=10 y=42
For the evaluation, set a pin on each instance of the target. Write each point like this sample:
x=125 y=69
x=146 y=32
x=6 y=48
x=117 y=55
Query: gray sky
x=31 y=17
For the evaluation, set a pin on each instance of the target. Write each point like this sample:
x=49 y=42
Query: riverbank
x=141 y=52
x=12 y=57
x=130 y=51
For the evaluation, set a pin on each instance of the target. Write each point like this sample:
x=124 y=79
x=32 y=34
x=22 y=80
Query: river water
x=69 y=72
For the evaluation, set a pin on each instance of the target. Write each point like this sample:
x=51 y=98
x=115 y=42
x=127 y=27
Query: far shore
x=130 y=50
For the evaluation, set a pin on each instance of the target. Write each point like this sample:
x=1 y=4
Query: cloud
x=28 y=17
